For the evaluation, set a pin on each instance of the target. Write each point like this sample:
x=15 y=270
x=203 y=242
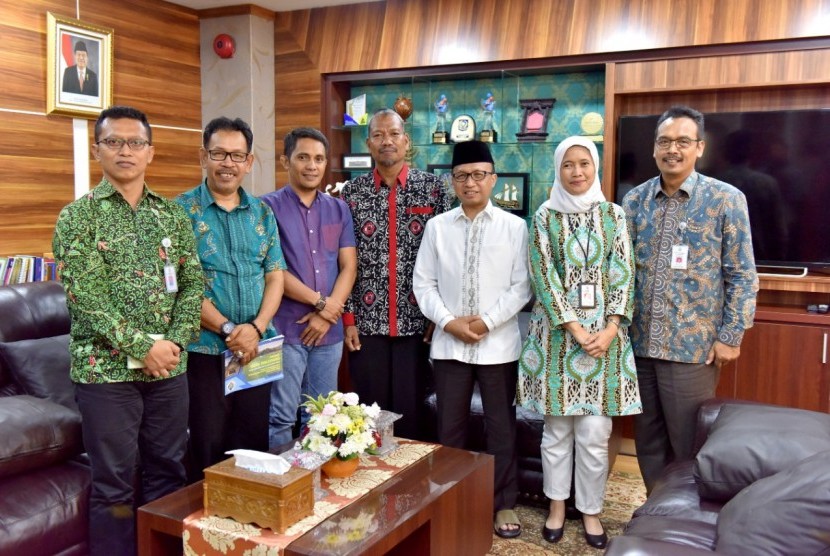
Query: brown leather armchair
x=44 y=479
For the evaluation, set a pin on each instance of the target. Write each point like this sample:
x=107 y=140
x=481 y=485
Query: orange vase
x=340 y=468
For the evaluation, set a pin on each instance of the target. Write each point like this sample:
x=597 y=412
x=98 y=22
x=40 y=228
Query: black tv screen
x=779 y=159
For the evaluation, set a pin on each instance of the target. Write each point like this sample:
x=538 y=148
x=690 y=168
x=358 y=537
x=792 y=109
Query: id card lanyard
x=170 y=281
x=587 y=290
x=680 y=251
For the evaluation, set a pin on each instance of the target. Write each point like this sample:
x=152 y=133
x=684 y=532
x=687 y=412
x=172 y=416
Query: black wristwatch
x=226 y=328
x=321 y=303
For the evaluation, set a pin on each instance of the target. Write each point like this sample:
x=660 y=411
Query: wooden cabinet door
x=783 y=364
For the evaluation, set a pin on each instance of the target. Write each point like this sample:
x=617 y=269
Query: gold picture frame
x=78 y=67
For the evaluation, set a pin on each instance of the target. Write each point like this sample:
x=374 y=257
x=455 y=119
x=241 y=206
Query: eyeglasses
x=478 y=175
x=116 y=144
x=219 y=156
x=683 y=143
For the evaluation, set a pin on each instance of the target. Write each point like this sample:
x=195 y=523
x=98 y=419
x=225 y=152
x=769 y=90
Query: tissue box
x=269 y=500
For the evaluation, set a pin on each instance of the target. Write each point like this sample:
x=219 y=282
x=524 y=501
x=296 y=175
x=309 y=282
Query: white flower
x=339 y=425
x=372 y=411
x=351 y=398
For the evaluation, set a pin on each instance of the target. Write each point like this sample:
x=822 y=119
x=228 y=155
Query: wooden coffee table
x=442 y=504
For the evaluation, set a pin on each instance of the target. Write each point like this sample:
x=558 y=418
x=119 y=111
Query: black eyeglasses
x=683 y=143
x=219 y=156
x=478 y=175
x=116 y=144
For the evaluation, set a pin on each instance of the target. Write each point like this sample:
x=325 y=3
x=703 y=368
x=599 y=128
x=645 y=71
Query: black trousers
x=125 y=422
x=454 y=382
x=394 y=371
x=219 y=423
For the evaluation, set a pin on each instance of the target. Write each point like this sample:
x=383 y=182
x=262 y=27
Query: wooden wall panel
x=407 y=33
x=156 y=69
x=748 y=70
x=36 y=182
x=402 y=34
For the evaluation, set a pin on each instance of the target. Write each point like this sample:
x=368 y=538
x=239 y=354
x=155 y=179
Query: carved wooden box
x=273 y=501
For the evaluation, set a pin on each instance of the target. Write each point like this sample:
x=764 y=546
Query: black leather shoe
x=597 y=541
x=552 y=535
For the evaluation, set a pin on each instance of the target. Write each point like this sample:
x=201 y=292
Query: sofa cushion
x=41 y=368
x=36 y=433
x=787 y=513
x=750 y=442
x=676 y=495
x=46 y=511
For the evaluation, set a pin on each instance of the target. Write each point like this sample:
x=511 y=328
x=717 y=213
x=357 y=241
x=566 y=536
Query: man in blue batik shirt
x=239 y=248
x=695 y=289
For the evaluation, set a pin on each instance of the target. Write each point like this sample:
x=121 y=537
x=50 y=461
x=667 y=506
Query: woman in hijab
x=577 y=366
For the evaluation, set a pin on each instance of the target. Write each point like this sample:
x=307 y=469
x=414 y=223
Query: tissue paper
x=260 y=462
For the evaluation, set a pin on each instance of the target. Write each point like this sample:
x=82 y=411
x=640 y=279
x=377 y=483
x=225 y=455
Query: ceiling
x=273 y=5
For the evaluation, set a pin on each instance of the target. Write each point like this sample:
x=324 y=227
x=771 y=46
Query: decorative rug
x=624 y=493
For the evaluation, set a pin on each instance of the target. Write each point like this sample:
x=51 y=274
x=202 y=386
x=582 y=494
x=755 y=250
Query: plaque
x=442 y=106
x=463 y=129
x=488 y=132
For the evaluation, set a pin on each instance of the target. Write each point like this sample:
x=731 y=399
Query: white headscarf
x=562 y=201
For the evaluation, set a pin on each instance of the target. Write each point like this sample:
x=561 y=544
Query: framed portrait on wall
x=511 y=192
x=78 y=67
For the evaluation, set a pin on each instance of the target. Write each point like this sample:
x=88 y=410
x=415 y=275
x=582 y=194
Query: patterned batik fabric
x=237 y=248
x=679 y=313
x=111 y=263
x=556 y=376
x=389 y=225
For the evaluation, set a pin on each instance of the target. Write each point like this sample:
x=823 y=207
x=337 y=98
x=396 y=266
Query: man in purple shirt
x=319 y=247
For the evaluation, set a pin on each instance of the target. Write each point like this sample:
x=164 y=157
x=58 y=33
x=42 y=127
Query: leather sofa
x=529 y=426
x=759 y=484
x=44 y=480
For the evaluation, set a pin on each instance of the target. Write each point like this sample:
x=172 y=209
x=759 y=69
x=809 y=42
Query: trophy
x=488 y=133
x=442 y=105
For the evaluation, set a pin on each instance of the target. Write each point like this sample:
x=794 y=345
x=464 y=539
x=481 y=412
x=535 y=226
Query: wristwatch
x=321 y=303
x=226 y=328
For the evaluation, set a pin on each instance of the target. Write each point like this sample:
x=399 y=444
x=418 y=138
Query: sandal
x=507 y=517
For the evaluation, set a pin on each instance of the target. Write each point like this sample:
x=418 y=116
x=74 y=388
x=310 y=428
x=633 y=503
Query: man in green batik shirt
x=127 y=260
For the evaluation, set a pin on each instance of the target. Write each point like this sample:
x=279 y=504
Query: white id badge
x=170 y=281
x=587 y=296
x=680 y=257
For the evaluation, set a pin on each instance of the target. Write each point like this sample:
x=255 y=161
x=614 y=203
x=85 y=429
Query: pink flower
x=329 y=410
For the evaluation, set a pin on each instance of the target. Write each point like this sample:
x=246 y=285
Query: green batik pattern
x=111 y=263
x=556 y=376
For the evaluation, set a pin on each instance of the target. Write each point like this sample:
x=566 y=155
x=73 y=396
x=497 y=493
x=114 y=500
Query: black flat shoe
x=552 y=535
x=597 y=541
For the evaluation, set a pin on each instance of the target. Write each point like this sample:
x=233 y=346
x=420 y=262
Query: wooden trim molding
x=243 y=9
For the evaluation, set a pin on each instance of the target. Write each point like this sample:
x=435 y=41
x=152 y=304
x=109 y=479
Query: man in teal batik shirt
x=239 y=248
x=114 y=248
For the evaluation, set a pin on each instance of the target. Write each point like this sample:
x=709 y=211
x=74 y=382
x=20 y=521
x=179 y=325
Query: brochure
x=265 y=367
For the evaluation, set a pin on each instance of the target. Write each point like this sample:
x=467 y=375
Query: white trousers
x=589 y=434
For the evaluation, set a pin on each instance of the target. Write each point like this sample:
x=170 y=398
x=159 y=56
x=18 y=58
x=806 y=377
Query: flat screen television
x=779 y=159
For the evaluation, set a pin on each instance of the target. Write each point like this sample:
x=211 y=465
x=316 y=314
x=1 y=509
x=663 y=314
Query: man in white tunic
x=471 y=279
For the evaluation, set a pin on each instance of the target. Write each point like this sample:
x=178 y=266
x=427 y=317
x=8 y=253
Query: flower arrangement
x=349 y=530
x=340 y=426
